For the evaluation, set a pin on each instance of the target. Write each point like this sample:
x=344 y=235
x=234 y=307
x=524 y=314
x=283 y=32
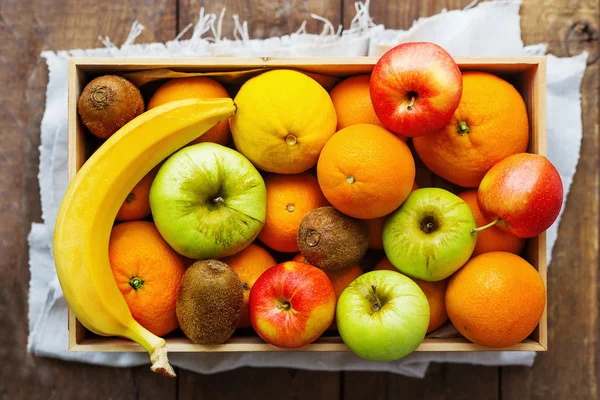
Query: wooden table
x=570 y=369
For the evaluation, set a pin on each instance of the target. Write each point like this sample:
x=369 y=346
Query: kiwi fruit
x=107 y=103
x=209 y=303
x=331 y=240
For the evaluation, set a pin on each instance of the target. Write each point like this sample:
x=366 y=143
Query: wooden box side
x=531 y=69
x=76 y=157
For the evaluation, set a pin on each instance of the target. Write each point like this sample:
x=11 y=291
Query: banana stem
x=156 y=347
x=160 y=362
x=484 y=227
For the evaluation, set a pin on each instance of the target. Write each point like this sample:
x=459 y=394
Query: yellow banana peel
x=91 y=203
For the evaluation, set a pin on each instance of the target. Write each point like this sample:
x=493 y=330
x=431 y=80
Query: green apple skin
x=430 y=255
x=390 y=329
x=208 y=201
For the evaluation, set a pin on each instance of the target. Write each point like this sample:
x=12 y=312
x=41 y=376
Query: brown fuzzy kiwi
x=210 y=301
x=107 y=103
x=331 y=240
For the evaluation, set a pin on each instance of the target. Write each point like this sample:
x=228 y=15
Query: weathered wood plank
x=26 y=28
x=401 y=14
x=447 y=381
x=570 y=367
x=265 y=18
x=365 y=385
x=260 y=383
x=442 y=381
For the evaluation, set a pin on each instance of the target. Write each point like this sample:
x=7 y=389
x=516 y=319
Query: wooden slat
x=26 y=28
x=401 y=14
x=359 y=385
x=260 y=383
x=476 y=382
x=570 y=367
x=442 y=381
x=105 y=65
x=255 y=344
x=265 y=18
x=448 y=381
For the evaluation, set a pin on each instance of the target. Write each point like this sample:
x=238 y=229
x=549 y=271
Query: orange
x=375 y=227
x=148 y=273
x=491 y=239
x=137 y=203
x=195 y=87
x=489 y=124
x=289 y=198
x=434 y=291
x=496 y=299
x=365 y=171
x=352 y=101
x=249 y=264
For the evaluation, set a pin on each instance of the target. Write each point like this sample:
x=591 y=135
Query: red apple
x=415 y=88
x=523 y=193
x=292 y=304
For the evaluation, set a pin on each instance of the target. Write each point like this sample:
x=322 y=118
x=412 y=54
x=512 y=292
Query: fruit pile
x=271 y=232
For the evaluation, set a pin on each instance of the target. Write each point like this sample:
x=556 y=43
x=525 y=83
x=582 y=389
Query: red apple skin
x=423 y=68
x=523 y=190
x=311 y=301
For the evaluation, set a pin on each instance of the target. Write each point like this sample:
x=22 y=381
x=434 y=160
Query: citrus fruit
x=195 y=87
x=249 y=264
x=496 y=299
x=148 y=273
x=137 y=203
x=352 y=101
x=490 y=239
x=289 y=198
x=434 y=291
x=375 y=227
x=489 y=124
x=365 y=171
x=284 y=119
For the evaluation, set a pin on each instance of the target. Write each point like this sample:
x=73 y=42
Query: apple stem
x=463 y=128
x=377 y=303
x=486 y=226
x=130 y=197
x=218 y=200
x=411 y=103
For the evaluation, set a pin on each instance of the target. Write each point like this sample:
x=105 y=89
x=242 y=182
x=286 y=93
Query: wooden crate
x=527 y=74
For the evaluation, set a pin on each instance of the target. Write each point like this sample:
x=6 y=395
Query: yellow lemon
x=284 y=119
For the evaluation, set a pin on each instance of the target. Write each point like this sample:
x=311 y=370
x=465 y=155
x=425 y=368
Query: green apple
x=431 y=235
x=208 y=201
x=382 y=316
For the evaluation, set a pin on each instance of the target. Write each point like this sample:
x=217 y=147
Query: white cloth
x=490 y=28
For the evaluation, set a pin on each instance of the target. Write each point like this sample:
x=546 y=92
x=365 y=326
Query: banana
x=91 y=203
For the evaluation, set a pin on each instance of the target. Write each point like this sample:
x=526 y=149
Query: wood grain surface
x=569 y=370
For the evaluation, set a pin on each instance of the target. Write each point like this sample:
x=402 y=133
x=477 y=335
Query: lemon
x=284 y=119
